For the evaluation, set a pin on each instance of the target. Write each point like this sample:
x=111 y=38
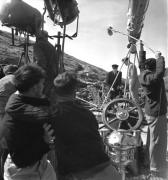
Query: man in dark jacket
x=113 y=80
x=46 y=56
x=151 y=79
x=79 y=147
x=25 y=115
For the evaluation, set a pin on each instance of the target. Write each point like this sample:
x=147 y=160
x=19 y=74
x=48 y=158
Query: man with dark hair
x=27 y=77
x=113 y=80
x=79 y=147
x=26 y=114
x=151 y=79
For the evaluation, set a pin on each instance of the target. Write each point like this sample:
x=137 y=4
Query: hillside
x=11 y=54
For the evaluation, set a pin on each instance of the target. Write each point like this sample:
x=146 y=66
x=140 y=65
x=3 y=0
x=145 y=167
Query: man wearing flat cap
x=151 y=79
x=113 y=80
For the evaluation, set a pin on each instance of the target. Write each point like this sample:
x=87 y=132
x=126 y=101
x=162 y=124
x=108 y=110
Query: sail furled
x=62 y=11
x=136 y=15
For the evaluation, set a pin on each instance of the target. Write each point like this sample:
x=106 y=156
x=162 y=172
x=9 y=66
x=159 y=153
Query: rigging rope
x=138 y=40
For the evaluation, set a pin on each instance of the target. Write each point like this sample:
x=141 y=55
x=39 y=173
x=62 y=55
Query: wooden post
x=13 y=38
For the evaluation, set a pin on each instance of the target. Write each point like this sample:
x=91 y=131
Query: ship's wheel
x=122 y=115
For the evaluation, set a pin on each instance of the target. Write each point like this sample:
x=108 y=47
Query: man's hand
x=3 y=143
x=48 y=134
x=158 y=54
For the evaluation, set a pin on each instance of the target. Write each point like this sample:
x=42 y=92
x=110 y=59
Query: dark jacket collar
x=34 y=101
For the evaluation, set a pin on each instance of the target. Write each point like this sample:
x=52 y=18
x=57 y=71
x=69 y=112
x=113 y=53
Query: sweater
x=153 y=85
x=79 y=146
x=23 y=123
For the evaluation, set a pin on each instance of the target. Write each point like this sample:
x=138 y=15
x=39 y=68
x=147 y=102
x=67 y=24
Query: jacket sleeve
x=120 y=78
x=157 y=75
x=5 y=125
x=108 y=78
x=39 y=56
x=2 y=129
x=35 y=115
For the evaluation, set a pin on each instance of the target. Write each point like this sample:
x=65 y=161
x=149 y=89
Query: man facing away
x=114 y=79
x=79 y=147
x=133 y=79
x=22 y=126
x=6 y=87
x=151 y=79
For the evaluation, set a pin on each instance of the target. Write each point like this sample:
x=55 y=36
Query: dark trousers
x=3 y=156
x=157 y=143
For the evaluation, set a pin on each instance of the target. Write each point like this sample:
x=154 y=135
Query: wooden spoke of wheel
x=123 y=103
x=130 y=110
x=129 y=125
x=133 y=117
x=112 y=120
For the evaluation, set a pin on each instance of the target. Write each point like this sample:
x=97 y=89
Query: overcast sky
x=94 y=45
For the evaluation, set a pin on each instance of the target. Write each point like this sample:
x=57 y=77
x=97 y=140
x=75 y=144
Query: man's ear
x=34 y=88
x=146 y=67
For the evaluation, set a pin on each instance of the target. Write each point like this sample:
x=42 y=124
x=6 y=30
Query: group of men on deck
x=151 y=79
x=43 y=114
x=32 y=125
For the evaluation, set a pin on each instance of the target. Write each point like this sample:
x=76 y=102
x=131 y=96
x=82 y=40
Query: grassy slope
x=11 y=54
